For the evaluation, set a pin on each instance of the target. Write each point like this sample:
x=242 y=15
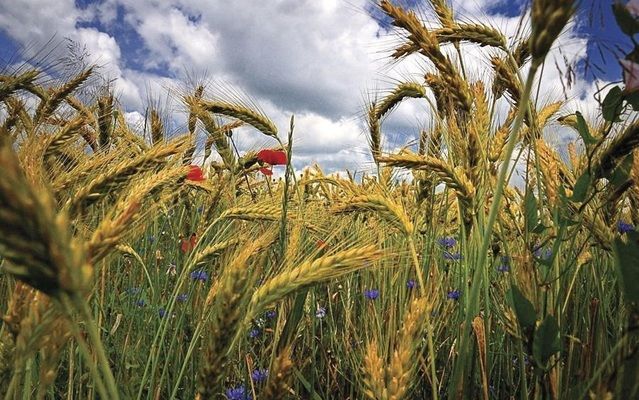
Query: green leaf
x=584 y=132
x=539 y=229
x=621 y=174
x=524 y=309
x=611 y=106
x=546 y=341
x=625 y=20
x=627 y=265
x=581 y=187
x=530 y=205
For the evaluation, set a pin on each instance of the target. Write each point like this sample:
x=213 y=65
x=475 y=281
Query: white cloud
x=38 y=20
x=175 y=40
x=314 y=59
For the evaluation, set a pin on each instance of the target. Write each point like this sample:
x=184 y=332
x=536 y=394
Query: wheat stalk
x=453 y=177
x=402 y=91
x=11 y=84
x=65 y=135
x=618 y=148
x=110 y=231
x=277 y=386
x=310 y=273
x=548 y=19
x=387 y=209
x=48 y=105
x=374 y=376
x=105 y=120
x=157 y=127
x=243 y=113
x=427 y=42
x=119 y=176
x=230 y=295
x=253 y=212
x=402 y=363
x=34 y=239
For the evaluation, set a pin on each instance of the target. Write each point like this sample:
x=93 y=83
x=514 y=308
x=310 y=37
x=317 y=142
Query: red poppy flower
x=188 y=245
x=185 y=245
x=266 y=171
x=195 y=173
x=273 y=157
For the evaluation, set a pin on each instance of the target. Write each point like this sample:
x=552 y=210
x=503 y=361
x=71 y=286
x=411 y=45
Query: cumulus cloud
x=316 y=59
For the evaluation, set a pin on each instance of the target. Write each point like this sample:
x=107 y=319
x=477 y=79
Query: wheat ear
x=277 y=386
x=227 y=314
x=310 y=273
x=245 y=114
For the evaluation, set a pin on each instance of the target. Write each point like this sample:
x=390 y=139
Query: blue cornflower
x=452 y=256
x=238 y=393
x=151 y=239
x=454 y=294
x=253 y=333
x=182 y=298
x=542 y=253
x=320 y=313
x=270 y=314
x=200 y=209
x=259 y=375
x=162 y=312
x=411 y=284
x=624 y=227
x=199 y=275
x=447 y=242
x=505 y=264
x=134 y=290
x=503 y=268
x=140 y=303
x=371 y=294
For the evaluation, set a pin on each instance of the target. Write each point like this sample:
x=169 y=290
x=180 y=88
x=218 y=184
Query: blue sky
x=319 y=60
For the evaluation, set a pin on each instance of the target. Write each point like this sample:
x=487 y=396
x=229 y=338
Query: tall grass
x=126 y=272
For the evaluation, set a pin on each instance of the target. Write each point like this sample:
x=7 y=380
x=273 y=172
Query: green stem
x=429 y=331
x=94 y=335
x=501 y=182
x=487 y=234
x=67 y=305
x=597 y=374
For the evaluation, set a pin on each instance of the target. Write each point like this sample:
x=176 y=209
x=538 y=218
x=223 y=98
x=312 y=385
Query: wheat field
x=130 y=271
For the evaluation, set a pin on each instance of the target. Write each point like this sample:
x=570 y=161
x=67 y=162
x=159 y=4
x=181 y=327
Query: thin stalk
x=94 y=335
x=596 y=375
x=429 y=331
x=67 y=306
x=287 y=178
x=487 y=234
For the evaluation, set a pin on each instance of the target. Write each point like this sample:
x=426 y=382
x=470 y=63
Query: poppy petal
x=273 y=157
x=266 y=171
x=184 y=246
x=195 y=173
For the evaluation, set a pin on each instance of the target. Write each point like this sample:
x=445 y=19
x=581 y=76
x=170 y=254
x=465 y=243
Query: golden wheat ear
x=230 y=295
x=374 y=372
x=548 y=17
x=402 y=364
x=12 y=84
x=243 y=113
x=309 y=273
x=279 y=377
x=34 y=239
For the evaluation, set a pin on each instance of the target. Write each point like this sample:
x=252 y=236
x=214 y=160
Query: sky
x=320 y=60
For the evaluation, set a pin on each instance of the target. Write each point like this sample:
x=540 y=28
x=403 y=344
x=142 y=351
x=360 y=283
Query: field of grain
x=128 y=271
